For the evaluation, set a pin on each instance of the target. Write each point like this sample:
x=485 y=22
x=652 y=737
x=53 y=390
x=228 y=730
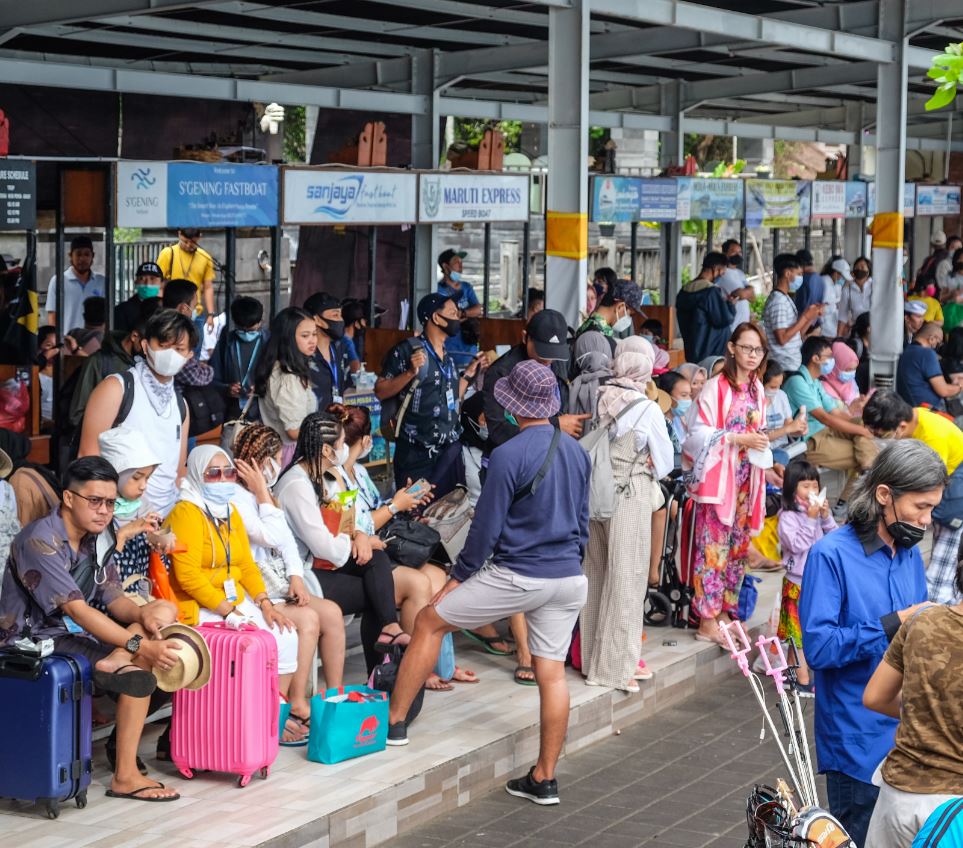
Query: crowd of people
x=561 y=446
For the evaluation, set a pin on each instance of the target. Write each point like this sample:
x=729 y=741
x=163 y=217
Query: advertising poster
x=709 y=199
x=318 y=196
x=615 y=200
x=829 y=199
x=937 y=200
x=777 y=203
x=857 y=199
x=909 y=199
x=658 y=200
x=455 y=197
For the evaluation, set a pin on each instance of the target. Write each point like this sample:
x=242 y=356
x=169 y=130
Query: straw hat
x=193 y=667
x=662 y=398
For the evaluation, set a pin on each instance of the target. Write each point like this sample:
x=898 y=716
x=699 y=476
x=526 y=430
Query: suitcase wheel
x=186 y=773
x=53 y=809
x=81 y=799
x=243 y=780
x=264 y=772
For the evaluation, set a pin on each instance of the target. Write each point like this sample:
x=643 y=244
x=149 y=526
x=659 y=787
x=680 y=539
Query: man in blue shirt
x=860 y=583
x=531 y=521
x=452 y=284
x=919 y=377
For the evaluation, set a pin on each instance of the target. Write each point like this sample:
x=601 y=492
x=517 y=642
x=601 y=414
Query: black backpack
x=207 y=406
x=127 y=401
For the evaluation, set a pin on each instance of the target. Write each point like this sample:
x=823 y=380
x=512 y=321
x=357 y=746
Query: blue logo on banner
x=337 y=197
x=143 y=179
x=221 y=195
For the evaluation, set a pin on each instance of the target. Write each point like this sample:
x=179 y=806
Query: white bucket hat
x=125 y=448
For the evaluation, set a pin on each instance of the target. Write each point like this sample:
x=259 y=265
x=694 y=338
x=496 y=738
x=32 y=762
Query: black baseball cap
x=430 y=304
x=148 y=269
x=445 y=257
x=320 y=302
x=548 y=331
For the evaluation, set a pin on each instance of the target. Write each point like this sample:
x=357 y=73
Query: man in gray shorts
x=532 y=521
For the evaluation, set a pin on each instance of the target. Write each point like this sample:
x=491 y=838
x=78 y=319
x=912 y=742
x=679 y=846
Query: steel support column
x=671 y=150
x=886 y=313
x=424 y=154
x=566 y=222
x=854 y=229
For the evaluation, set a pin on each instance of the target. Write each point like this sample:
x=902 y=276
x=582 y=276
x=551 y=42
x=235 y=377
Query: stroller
x=670 y=602
x=774 y=817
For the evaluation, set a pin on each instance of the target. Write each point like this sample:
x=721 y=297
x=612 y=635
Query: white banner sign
x=349 y=197
x=937 y=200
x=142 y=194
x=448 y=198
x=829 y=199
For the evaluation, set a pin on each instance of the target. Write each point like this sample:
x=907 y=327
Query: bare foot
x=436 y=684
x=114 y=661
x=392 y=634
x=464 y=675
x=296 y=729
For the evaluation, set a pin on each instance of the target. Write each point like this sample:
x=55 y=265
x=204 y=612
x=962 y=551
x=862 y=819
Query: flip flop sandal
x=524 y=681
x=306 y=724
x=136 y=796
x=488 y=642
x=136 y=684
x=385 y=647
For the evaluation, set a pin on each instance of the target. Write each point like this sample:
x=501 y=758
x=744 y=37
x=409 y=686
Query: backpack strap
x=127 y=402
x=531 y=487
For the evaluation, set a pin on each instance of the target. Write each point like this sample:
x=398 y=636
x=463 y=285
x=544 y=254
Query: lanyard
x=250 y=362
x=449 y=373
x=333 y=368
x=226 y=545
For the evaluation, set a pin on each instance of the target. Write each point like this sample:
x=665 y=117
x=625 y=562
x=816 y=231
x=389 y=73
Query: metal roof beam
x=14 y=13
x=204 y=68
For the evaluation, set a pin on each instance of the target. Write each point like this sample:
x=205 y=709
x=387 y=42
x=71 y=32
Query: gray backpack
x=602 y=483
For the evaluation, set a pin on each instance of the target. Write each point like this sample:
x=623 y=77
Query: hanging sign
x=857 y=199
x=658 y=200
x=322 y=196
x=829 y=199
x=909 y=200
x=615 y=200
x=777 y=203
x=709 y=199
x=456 y=197
x=937 y=200
x=196 y=194
x=18 y=195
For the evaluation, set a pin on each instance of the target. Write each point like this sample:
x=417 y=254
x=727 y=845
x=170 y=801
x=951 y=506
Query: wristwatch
x=392 y=508
x=133 y=644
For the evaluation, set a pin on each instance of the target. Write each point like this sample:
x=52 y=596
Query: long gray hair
x=904 y=466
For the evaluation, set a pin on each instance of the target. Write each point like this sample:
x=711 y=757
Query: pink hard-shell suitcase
x=231 y=724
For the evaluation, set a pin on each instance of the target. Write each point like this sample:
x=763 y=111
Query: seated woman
x=257 y=455
x=216 y=578
x=372 y=512
x=695 y=374
x=840 y=383
x=352 y=568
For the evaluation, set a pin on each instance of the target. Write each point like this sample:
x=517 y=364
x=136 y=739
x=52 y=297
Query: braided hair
x=255 y=443
x=317 y=430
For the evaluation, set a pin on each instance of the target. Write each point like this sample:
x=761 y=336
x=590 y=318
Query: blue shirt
x=916 y=367
x=848 y=591
x=803 y=389
x=462 y=353
x=350 y=351
x=464 y=297
x=944 y=827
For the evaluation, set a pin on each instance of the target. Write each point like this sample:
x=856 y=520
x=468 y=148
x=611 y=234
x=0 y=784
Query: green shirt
x=803 y=389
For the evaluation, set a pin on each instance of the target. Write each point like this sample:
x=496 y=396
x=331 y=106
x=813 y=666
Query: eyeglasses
x=749 y=350
x=96 y=502
x=212 y=475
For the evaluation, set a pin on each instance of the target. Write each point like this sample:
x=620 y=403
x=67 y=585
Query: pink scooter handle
x=739 y=645
x=774 y=671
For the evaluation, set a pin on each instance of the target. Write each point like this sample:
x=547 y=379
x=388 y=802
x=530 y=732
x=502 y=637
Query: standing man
x=783 y=324
x=735 y=283
x=855 y=297
x=532 y=520
x=452 y=284
x=328 y=363
x=705 y=313
x=813 y=288
x=80 y=282
x=187 y=260
x=939 y=253
x=236 y=356
x=148 y=283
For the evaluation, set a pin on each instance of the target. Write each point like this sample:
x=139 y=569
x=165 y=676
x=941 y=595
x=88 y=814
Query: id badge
x=230 y=590
x=336 y=398
x=72 y=626
x=450 y=397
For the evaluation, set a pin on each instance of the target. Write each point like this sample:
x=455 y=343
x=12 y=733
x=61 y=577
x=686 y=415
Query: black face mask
x=334 y=330
x=735 y=261
x=904 y=534
x=452 y=327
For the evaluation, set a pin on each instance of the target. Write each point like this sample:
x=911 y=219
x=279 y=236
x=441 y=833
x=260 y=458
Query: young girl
x=780 y=424
x=801 y=525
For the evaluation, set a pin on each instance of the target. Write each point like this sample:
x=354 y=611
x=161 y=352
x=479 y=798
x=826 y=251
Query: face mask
x=930 y=291
x=218 y=493
x=847 y=376
x=510 y=418
x=248 y=335
x=455 y=277
x=904 y=534
x=124 y=508
x=167 y=362
x=795 y=283
x=366 y=449
x=735 y=261
x=860 y=275
x=334 y=330
x=771 y=393
x=271 y=472
x=648 y=337
x=341 y=455
x=481 y=432
x=681 y=407
x=622 y=326
x=452 y=327
x=144 y=292
x=827 y=367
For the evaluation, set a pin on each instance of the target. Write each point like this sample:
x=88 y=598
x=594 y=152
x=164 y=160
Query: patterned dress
x=132 y=561
x=721 y=552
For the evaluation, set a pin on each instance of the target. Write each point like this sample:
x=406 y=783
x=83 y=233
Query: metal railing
x=127 y=257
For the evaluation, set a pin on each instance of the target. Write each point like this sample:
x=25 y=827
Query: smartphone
x=418 y=487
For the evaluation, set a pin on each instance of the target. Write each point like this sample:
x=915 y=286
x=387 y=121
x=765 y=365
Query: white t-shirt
x=75 y=293
x=854 y=301
x=731 y=281
x=830 y=320
x=778 y=412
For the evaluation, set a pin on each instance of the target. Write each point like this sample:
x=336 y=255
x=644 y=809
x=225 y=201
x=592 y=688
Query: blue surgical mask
x=124 y=508
x=219 y=493
x=681 y=406
x=510 y=418
x=795 y=283
x=145 y=292
x=827 y=367
x=455 y=277
x=847 y=376
x=248 y=335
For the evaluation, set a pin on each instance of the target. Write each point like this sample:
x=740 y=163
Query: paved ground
x=679 y=779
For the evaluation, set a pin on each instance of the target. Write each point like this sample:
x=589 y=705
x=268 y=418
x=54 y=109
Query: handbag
x=408 y=541
x=451 y=516
x=347 y=722
x=332 y=519
x=748 y=595
x=275 y=576
x=232 y=429
x=384 y=676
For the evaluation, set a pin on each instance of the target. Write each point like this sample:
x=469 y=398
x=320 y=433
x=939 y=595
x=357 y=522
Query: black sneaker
x=544 y=792
x=398 y=733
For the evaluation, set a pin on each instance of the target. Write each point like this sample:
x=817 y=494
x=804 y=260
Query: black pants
x=852 y=802
x=365 y=590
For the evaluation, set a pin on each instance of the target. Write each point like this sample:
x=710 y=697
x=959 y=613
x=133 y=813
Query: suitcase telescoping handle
x=19 y=665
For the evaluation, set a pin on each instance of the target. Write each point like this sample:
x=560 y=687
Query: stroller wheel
x=658 y=609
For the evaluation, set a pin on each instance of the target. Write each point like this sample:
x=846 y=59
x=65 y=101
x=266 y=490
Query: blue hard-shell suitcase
x=45 y=729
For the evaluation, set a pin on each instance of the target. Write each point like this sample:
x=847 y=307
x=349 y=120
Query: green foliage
x=471 y=132
x=947 y=70
x=756 y=307
x=295 y=134
x=127 y=235
x=686 y=274
x=729 y=169
x=700 y=229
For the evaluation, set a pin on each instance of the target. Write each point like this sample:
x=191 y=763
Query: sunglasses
x=96 y=502
x=212 y=475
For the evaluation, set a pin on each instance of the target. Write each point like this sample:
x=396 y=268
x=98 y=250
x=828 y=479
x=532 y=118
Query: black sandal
x=136 y=684
x=386 y=647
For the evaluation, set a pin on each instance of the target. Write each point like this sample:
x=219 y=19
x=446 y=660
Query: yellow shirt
x=177 y=264
x=934 y=312
x=942 y=435
x=198 y=574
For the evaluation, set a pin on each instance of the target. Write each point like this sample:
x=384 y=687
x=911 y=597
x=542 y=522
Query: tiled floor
x=464 y=743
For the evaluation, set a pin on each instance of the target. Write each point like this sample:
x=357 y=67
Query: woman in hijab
x=712 y=365
x=618 y=553
x=216 y=578
x=593 y=355
x=696 y=375
x=840 y=383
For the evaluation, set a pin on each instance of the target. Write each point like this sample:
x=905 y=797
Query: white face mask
x=622 y=324
x=366 y=447
x=271 y=471
x=167 y=362
x=340 y=455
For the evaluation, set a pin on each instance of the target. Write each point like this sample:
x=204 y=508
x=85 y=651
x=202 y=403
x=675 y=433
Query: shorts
x=789 y=627
x=92 y=650
x=551 y=606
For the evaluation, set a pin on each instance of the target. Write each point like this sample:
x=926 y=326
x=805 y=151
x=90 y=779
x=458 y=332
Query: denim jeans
x=852 y=802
